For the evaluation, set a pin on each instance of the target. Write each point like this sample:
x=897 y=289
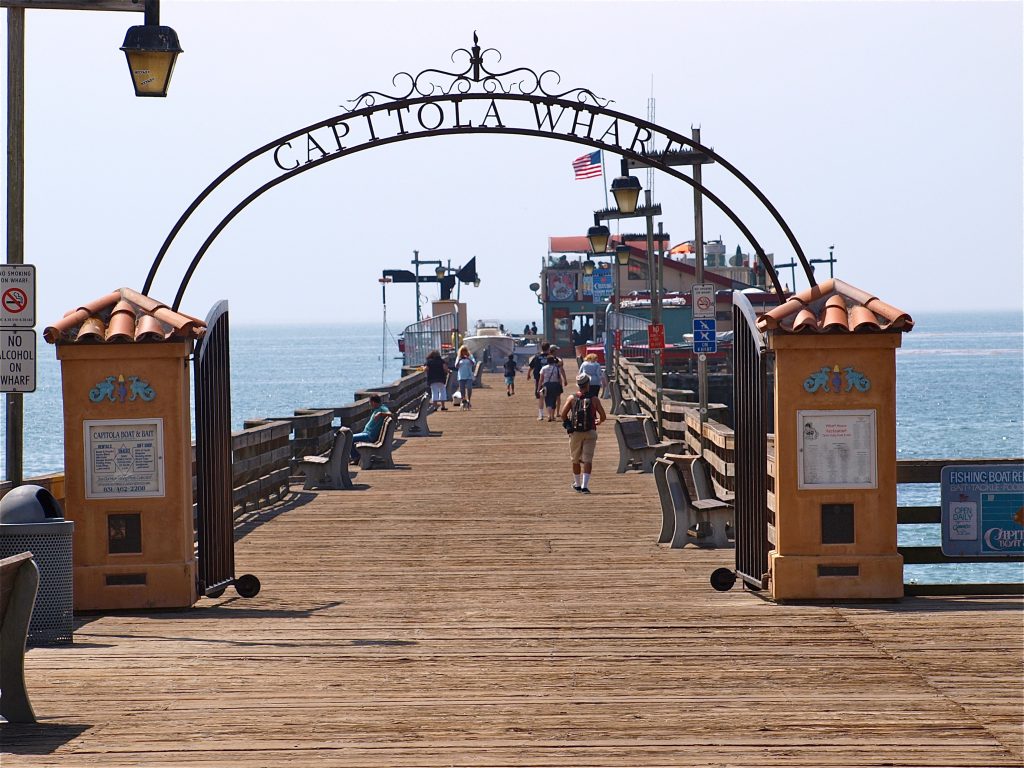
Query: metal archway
x=449 y=107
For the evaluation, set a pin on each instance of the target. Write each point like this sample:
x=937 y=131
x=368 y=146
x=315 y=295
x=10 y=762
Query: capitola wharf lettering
x=475 y=113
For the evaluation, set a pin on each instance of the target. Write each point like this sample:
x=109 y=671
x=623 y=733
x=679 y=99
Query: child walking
x=510 y=375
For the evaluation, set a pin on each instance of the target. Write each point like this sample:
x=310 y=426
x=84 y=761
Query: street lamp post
x=626 y=190
x=150 y=50
x=830 y=260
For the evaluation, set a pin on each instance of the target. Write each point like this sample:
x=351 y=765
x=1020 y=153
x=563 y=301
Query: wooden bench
x=634 y=447
x=330 y=471
x=19 y=582
x=671 y=498
x=623 y=403
x=379 y=451
x=414 y=422
x=686 y=518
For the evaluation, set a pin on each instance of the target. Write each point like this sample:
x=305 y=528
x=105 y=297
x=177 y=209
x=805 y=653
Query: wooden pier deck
x=469 y=608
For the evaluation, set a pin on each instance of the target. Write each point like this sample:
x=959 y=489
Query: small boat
x=490 y=343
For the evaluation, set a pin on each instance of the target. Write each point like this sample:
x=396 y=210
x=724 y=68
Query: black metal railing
x=214 y=521
x=751 y=417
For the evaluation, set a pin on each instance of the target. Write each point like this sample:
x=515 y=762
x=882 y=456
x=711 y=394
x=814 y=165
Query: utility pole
x=698 y=237
x=15 y=213
x=416 y=261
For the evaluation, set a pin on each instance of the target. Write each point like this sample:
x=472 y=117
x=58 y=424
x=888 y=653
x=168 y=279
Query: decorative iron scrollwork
x=437 y=82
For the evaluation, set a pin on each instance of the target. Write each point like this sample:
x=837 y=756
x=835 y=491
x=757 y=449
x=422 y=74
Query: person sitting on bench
x=371 y=430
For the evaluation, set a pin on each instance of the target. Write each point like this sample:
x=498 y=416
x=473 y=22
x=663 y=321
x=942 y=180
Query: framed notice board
x=124 y=458
x=837 y=449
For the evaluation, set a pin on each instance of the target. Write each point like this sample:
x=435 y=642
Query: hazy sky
x=891 y=130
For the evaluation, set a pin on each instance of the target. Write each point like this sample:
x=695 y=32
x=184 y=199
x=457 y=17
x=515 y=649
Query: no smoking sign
x=704 y=300
x=17 y=295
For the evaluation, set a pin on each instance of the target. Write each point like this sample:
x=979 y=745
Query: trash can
x=31 y=520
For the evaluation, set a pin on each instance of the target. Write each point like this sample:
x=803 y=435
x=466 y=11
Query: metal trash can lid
x=30 y=504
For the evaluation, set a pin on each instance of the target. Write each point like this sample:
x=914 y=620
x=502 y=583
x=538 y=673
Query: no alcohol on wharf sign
x=17 y=295
x=17 y=360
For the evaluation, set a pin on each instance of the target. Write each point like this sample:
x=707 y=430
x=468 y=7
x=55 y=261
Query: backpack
x=582 y=414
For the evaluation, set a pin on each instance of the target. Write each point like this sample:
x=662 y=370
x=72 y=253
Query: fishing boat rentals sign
x=983 y=510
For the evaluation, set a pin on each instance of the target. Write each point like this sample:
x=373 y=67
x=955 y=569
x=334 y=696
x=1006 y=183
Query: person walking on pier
x=552 y=381
x=594 y=370
x=464 y=373
x=510 y=368
x=581 y=416
x=536 y=363
x=437 y=379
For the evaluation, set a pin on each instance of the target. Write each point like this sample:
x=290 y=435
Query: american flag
x=588 y=166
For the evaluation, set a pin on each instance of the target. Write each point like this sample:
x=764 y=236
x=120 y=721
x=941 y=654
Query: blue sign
x=983 y=510
x=705 y=336
x=602 y=288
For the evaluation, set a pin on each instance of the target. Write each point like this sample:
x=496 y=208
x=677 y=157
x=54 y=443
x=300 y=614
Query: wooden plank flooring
x=470 y=609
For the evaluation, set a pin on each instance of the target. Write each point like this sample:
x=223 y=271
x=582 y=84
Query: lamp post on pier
x=830 y=260
x=626 y=190
x=150 y=50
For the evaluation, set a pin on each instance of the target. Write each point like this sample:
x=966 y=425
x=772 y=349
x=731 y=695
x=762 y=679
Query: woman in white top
x=552 y=381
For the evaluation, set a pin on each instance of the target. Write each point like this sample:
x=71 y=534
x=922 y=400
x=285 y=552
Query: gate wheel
x=722 y=579
x=247 y=585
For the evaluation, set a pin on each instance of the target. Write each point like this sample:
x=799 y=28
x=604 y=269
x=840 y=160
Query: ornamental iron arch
x=440 y=103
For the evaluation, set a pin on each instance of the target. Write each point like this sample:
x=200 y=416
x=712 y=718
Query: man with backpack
x=581 y=416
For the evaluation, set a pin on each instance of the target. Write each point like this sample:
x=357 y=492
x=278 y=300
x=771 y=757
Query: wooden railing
x=717 y=448
x=912 y=471
x=265 y=451
x=680 y=420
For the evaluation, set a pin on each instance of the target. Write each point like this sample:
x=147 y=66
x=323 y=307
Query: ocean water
x=960 y=394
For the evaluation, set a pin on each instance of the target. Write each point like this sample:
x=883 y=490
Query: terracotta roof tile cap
x=835 y=317
x=805 y=320
x=93 y=328
x=149 y=329
x=863 y=319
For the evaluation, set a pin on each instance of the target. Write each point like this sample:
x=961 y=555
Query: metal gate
x=214 y=503
x=753 y=419
x=426 y=335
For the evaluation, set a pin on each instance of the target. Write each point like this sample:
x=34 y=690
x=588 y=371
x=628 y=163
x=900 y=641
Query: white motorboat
x=490 y=343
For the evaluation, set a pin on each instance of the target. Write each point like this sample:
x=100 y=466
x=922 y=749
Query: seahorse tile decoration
x=117 y=390
x=831 y=380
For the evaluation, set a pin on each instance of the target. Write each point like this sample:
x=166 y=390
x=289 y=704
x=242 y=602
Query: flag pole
x=604 y=180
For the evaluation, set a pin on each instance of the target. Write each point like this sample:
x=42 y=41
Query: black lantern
x=151 y=51
x=439 y=271
x=627 y=191
x=588 y=267
x=622 y=253
x=598 y=237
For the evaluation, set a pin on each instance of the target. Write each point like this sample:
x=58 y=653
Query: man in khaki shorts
x=581 y=414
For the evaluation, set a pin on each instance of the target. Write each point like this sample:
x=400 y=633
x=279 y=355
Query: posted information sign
x=983 y=510
x=124 y=458
x=17 y=360
x=838 y=449
x=17 y=295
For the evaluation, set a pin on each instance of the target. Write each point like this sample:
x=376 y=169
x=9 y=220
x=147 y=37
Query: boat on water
x=490 y=343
